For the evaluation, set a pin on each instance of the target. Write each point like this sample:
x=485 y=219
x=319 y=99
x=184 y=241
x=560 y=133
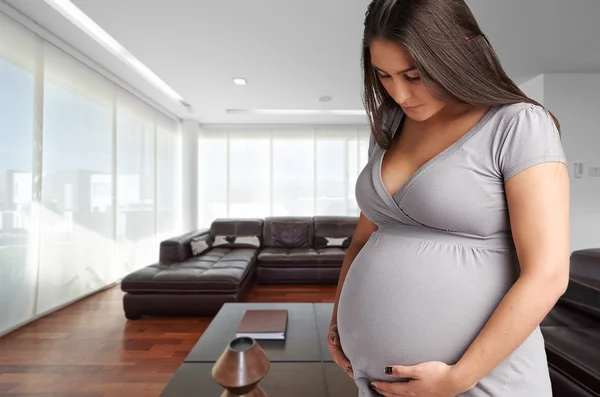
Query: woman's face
x=402 y=81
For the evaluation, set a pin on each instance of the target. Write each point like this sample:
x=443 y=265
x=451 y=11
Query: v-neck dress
x=443 y=257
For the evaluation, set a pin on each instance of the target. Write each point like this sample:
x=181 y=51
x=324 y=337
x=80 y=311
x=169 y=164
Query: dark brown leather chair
x=572 y=331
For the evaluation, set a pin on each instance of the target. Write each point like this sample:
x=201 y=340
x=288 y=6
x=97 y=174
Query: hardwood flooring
x=89 y=349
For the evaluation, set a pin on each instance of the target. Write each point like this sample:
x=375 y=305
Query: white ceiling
x=293 y=52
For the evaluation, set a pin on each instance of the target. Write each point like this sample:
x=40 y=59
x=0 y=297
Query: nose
x=401 y=92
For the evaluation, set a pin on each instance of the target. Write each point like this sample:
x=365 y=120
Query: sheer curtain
x=136 y=134
x=168 y=178
x=89 y=178
x=76 y=181
x=18 y=226
x=255 y=171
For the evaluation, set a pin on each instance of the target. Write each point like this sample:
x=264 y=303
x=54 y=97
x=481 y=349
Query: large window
x=18 y=251
x=213 y=181
x=135 y=184
x=248 y=165
x=168 y=178
x=89 y=178
x=332 y=174
x=77 y=165
x=295 y=171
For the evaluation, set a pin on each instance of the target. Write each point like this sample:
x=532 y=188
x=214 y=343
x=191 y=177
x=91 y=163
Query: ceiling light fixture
x=240 y=81
x=298 y=112
x=83 y=22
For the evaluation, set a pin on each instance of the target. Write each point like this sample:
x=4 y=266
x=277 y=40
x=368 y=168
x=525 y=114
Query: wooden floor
x=90 y=350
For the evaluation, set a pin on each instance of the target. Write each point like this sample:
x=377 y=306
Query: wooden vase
x=239 y=369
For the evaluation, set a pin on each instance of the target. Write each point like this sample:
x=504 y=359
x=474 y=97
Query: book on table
x=268 y=324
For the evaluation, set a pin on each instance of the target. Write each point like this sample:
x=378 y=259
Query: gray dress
x=443 y=257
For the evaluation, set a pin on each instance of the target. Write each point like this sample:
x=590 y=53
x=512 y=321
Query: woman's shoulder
x=522 y=112
x=521 y=120
x=525 y=134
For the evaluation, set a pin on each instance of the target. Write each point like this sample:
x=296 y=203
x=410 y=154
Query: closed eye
x=406 y=76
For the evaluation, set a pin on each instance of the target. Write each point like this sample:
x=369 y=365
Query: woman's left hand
x=428 y=379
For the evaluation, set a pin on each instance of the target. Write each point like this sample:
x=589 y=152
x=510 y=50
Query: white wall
x=534 y=88
x=575 y=101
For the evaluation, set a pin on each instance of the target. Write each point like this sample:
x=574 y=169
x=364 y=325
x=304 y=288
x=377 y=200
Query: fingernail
x=388 y=370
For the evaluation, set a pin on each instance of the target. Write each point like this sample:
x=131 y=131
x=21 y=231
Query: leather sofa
x=200 y=271
x=572 y=331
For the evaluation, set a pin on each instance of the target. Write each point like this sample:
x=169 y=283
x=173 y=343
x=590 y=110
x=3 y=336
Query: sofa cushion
x=200 y=244
x=288 y=232
x=292 y=257
x=334 y=231
x=331 y=256
x=330 y=242
x=219 y=269
x=236 y=232
x=236 y=241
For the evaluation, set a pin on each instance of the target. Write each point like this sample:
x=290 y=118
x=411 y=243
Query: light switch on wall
x=578 y=170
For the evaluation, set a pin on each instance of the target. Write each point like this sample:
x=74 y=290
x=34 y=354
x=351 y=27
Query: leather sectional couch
x=199 y=271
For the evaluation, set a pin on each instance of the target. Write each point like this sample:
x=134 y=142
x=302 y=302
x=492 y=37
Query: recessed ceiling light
x=300 y=112
x=83 y=22
x=240 y=81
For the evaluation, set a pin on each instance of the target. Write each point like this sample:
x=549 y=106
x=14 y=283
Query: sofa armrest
x=178 y=249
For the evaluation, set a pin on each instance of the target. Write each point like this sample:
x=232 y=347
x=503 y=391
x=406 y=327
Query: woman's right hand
x=335 y=347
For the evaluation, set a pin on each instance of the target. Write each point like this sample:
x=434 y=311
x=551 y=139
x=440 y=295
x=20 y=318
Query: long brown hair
x=455 y=59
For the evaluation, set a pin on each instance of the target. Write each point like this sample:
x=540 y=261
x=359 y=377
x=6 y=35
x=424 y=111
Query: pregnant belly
x=406 y=300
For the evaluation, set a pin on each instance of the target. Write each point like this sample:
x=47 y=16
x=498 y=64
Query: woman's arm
x=538 y=201
x=362 y=233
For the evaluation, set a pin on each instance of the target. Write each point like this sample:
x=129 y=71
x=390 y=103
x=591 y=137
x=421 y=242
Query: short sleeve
x=531 y=138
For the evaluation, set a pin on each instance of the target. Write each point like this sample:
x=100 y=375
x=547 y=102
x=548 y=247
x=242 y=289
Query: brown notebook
x=263 y=324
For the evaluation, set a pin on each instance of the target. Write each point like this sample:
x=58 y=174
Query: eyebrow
x=400 y=72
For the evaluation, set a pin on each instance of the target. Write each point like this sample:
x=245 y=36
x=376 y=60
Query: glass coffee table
x=300 y=366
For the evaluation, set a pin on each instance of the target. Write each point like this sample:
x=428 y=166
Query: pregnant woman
x=462 y=245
